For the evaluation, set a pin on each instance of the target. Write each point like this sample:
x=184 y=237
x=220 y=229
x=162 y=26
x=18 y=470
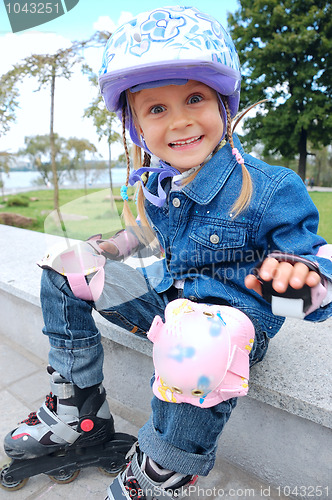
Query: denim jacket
x=213 y=251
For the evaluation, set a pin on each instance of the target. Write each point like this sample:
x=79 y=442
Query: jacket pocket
x=218 y=242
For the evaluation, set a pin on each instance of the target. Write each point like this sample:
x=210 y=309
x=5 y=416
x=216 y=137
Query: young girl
x=173 y=77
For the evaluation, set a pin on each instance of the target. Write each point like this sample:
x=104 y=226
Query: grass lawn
x=97 y=211
x=83 y=215
x=323 y=202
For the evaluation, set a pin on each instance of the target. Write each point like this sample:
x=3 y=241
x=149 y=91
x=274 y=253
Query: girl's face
x=181 y=124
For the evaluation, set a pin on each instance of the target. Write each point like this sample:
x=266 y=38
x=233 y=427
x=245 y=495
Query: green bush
x=18 y=201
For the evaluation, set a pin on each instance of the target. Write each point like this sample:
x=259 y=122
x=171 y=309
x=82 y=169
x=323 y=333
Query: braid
x=127 y=214
x=146 y=159
x=145 y=225
x=246 y=190
x=146 y=163
x=229 y=123
x=143 y=232
x=124 y=139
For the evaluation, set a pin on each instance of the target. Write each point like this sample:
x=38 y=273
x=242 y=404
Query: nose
x=180 y=118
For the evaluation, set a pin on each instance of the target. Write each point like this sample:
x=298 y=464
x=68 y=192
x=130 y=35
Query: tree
x=5 y=160
x=47 y=68
x=38 y=150
x=285 y=49
x=320 y=167
x=69 y=155
x=8 y=105
x=8 y=101
x=79 y=147
x=103 y=120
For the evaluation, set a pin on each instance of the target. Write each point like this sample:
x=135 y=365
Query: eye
x=157 y=109
x=194 y=99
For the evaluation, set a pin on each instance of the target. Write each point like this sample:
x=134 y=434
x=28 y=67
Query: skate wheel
x=11 y=485
x=65 y=477
x=113 y=470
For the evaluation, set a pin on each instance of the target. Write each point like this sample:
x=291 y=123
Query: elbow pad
x=76 y=261
x=126 y=243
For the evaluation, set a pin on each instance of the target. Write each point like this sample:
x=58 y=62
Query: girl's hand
x=109 y=248
x=283 y=274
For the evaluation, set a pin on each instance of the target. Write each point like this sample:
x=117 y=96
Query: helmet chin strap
x=145 y=146
x=164 y=171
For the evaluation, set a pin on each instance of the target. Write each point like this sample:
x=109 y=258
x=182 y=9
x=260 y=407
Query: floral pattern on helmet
x=174 y=28
x=161 y=26
x=167 y=43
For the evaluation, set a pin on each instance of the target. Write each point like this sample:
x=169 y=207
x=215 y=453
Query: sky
x=74 y=95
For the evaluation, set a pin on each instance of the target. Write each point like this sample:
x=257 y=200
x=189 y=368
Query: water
x=24 y=181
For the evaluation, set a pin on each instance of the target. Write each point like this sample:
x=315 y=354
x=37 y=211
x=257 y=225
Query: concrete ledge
x=280 y=432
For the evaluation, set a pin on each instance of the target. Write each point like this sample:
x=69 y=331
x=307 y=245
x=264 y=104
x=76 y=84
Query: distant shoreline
x=106 y=185
x=22 y=181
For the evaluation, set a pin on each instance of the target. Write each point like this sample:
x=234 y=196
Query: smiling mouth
x=186 y=142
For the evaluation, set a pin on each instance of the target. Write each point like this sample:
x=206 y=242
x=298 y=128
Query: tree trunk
x=303 y=154
x=2 y=186
x=52 y=144
x=110 y=164
x=319 y=168
x=85 y=178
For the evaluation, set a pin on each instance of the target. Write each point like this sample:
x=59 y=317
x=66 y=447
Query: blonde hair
x=246 y=189
x=143 y=231
x=146 y=233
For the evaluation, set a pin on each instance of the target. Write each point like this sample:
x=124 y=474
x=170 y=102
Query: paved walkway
x=318 y=188
x=23 y=384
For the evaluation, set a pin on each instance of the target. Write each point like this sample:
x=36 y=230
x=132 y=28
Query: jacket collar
x=212 y=177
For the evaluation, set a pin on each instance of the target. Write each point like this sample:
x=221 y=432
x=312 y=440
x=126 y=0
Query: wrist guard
x=293 y=303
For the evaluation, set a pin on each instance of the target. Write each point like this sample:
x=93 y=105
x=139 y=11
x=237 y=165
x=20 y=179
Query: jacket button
x=214 y=238
x=176 y=202
x=192 y=298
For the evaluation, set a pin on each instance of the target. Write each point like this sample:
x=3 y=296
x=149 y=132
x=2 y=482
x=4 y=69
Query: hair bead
x=238 y=156
x=124 y=192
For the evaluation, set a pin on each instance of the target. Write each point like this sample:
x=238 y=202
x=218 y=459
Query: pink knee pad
x=201 y=353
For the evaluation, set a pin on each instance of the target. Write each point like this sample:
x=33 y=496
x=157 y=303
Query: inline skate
x=73 y=429
x=144 y=479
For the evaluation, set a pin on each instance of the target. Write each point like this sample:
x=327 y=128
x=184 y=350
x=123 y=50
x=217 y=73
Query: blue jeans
x=180 y=437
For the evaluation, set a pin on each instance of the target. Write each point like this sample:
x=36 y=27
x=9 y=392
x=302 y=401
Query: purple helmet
x=172 y=44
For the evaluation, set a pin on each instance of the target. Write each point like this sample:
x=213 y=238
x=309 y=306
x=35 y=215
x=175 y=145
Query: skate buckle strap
x=63 y=390
x=117 y=489
x=149 y=488
x=59 y=428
